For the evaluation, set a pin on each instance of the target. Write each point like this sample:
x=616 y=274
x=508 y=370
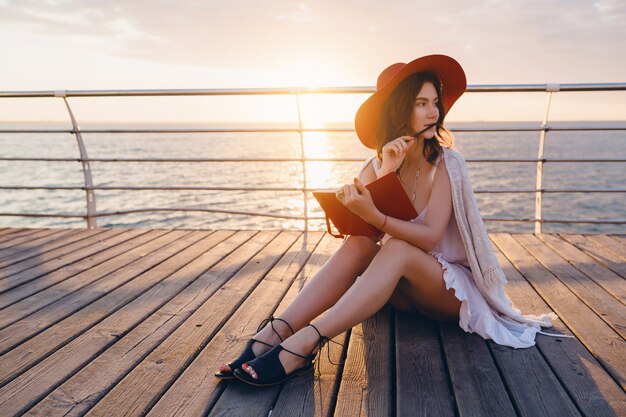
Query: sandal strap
x=259 y=341
x=323 y=340
x=284 y=321
x=297 y=354
x=271 y=320
x=311 y=355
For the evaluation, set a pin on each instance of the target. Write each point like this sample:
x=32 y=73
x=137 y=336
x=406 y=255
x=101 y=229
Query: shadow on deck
x=126 y=322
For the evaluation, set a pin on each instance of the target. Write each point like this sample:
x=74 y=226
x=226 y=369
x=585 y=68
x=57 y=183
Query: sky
x=156 y=44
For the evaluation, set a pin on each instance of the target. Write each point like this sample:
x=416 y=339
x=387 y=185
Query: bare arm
x=425 y=236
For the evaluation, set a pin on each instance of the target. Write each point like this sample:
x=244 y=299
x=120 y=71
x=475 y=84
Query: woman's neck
x=414 y=156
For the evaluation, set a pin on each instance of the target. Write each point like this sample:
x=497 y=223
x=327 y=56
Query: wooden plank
x=601 y=254
x=4 y=240
x=19 y=292
x=196 y=391
x=602 y=303
x=146 y=257
x=21 y=244
x=56 y=285
x=176 y=255
x=621 y=239
x=476 y=382
x=606 y=345
x=9 y=230
x=79 y=393
x=38 y=246
x=33 y=245
x=420 y=364
x=142 y=387
x=587 y=383
x=610 y=244
x=55 y=259
x=526 y=373
x=607 y=279
x=366 y=381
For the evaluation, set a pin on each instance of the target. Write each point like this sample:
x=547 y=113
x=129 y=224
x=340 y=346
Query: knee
x=400 y=250
x=400 y=246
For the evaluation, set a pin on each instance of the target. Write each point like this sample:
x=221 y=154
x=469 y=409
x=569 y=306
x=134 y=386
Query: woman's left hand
x=357 y=198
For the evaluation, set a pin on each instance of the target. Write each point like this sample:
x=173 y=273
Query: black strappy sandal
x=271 y=371
x=248 y=354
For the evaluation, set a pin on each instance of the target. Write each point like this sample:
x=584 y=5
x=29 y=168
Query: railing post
x=90 y=194
x=303 y=160
x=550 y=88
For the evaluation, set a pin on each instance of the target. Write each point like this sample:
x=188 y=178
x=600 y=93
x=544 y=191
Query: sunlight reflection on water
x=289 y=174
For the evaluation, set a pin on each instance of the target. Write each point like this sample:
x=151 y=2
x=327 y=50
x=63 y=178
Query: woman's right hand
x=394 y=153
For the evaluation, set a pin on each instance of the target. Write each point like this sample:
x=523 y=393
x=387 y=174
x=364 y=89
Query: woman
x=440 y=264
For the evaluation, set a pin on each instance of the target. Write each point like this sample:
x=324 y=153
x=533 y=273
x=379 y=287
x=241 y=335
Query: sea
x=320 y=175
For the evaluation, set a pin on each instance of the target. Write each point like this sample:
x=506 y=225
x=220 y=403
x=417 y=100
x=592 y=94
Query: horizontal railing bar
x=547 y=87
x=161 y=188
x=319 y=129
x=528 y=220
x=282 y=216
x=286 y=189
x=537 y=129
x=146 y=210
x=77 y=216
x=153 y=160
x=189 y=92
x=549 y=191
x=478 y=88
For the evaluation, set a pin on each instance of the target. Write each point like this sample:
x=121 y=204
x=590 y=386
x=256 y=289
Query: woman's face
x=425 y=111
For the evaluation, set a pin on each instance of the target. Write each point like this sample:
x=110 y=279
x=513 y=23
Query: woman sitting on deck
x=440 y=264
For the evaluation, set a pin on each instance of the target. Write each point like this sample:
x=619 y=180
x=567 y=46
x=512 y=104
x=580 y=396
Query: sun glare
x=319 y=174
x=312 y=71
x=316 y=110
x=317 y=145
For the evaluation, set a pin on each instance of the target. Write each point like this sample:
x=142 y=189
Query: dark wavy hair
x=396 y=116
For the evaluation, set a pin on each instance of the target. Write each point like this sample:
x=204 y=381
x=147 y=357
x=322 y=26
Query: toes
x=225 y=368
x=249 y=370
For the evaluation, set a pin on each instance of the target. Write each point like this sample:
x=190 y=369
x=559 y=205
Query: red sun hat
x=447 y=70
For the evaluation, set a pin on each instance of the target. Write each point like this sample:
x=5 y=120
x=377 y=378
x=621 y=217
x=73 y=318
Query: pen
x=424 y=130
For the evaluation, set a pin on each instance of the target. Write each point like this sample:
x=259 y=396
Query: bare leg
x=395 y=261
x=321 y=292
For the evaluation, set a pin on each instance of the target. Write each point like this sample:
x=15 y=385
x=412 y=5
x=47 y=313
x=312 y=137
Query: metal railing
x=90 y=190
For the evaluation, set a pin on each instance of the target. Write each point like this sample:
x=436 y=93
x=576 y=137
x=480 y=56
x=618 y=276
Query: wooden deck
x=112 y=322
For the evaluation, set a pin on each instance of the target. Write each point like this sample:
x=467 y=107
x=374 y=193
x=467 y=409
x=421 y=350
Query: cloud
x=497 y=38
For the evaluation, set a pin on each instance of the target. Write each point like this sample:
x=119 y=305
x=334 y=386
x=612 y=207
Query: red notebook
x=388 y=196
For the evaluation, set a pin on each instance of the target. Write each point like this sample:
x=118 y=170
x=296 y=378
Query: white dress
x=475 y=315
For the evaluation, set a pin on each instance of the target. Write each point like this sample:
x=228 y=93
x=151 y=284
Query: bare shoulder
x=442 y=172
x=368 y=174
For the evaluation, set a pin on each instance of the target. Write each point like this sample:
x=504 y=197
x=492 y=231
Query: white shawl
x=486 y=270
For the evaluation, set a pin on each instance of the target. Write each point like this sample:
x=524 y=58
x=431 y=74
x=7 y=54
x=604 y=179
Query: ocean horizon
x=498 y=176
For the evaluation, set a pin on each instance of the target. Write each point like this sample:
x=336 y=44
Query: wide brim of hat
x=447 y=69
